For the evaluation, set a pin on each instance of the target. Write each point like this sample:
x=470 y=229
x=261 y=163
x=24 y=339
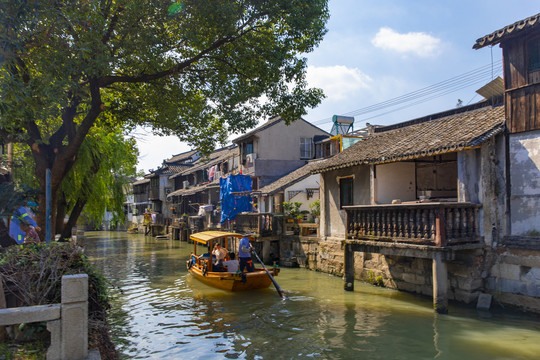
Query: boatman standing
x=244 y=254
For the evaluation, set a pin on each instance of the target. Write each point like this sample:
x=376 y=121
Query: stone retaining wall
x=511 y=276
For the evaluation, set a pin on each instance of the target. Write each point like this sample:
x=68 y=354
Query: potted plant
x=292 y=209
x=315 y=209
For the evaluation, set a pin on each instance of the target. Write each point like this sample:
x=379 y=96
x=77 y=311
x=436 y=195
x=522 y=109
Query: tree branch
x=108 y=80
x=112 y=24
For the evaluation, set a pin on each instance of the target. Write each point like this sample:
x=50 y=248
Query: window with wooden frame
x=533 y=54
x=346 y=186
x=306 y=148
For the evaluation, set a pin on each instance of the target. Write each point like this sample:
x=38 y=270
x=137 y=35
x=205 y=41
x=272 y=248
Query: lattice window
x=311 y=192
x=293 y=193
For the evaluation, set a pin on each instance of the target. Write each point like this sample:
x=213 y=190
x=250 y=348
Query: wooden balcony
x=154 y=193
x=434 y=224
x=258 y=223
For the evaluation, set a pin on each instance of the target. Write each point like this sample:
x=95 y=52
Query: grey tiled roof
x=270 y=122
x=508 y=31
x=139 y=182
x=181 y=157
x=451 y=131
x=194 y=189
x=291 y=178
x=214 y=158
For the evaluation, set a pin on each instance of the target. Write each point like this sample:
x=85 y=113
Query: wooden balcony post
x=440 y=228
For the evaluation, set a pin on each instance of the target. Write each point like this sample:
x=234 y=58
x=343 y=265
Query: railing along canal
x=260 y=223
x=429 y=223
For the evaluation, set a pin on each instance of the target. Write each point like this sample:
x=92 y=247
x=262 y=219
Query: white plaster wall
x=311 y=182
x=282 y=142
x=332 y=217
x=525 y=182
x=395 y=181
x=469 y=171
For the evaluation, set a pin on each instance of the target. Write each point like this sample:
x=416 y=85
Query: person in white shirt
x=220 y=254
x=232 y=265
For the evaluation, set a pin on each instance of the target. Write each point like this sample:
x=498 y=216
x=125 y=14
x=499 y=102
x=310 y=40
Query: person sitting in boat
x=244 y=253
x=232 y=265
x=220 y=254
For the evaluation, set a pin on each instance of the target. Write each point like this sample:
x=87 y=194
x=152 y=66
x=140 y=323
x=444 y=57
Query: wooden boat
x=200 y=266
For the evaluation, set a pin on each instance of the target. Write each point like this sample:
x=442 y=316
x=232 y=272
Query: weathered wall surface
x=395 y=181
x=280 y=141
x=512 y=277
x=469 y=165
x=311 y=182
x=525 y=182
x=331 y=215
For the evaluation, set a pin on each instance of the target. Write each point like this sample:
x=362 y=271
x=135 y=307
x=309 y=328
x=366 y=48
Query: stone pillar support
x=440 y=285
x=266 y=252
x=74 y=315
x=349 y=267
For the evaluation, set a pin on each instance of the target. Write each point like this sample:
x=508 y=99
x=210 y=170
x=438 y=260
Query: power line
x=483 y=74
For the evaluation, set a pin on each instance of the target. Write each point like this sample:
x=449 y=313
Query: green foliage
x=10 y=199
x=194 y=68
x=375 y=280
x=34 y=350
x=533 y=232
x=292 y=208
x=197 y=69
x=34 y=272
x=106 y=166
x=315 y=208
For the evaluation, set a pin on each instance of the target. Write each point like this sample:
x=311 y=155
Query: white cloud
x=338 y=82
x=418 y=43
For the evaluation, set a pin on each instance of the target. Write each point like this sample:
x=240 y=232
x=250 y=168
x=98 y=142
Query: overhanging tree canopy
x=197 y=69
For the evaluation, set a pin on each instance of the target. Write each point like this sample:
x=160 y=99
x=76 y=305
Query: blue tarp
x=231 y=203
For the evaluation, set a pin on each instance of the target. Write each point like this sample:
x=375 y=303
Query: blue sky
x=376 y=51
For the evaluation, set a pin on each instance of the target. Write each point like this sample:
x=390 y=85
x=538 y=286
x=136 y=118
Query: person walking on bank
x=21 y=215
x=244 y=254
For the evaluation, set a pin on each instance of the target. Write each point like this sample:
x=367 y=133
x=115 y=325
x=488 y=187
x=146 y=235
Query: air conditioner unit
x=251 y=157
x=185 y=184
x=168 y=191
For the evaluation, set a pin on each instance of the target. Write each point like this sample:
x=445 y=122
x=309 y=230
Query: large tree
x=198 y=69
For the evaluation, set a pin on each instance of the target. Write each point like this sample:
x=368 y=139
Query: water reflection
x=161 y=312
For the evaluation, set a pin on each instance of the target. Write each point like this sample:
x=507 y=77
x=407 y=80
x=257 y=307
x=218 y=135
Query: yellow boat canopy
x=206 y=237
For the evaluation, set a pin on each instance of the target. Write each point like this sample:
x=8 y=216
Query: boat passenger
x=232 y=264
x=244 y=253
x=220 y=254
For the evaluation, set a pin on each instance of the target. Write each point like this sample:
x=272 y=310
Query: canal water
x=160 y=312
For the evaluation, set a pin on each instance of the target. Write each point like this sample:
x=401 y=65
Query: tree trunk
x=60 y=213
x=5 y=239
x=73 y=217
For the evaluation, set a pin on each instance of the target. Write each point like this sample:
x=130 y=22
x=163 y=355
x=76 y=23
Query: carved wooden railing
x=436 y=224
x=259 y=223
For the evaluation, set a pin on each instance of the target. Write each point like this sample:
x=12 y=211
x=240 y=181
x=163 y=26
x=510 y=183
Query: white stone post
x=74 y=315
x=440 y=285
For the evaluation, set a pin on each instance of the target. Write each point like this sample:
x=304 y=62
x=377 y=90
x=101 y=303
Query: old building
x=411 y=196
x=274 y=149
x=446 y=204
